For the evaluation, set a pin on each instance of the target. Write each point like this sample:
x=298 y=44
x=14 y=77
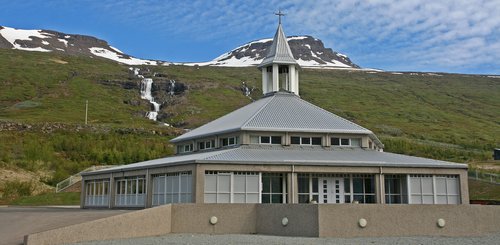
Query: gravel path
x=261 y=239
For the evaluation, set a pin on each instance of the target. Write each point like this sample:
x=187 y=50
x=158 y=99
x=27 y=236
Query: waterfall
x=172 y=87
x=146 y=85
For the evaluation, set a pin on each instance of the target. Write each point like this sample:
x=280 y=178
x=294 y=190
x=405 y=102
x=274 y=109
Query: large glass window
x=395 y=189
x=172 y=188
x=130 y=191
x=363 y=188
x=308 y=188
x=97 y=193
x=434 y=189
x=273 y=188
x=231 y=187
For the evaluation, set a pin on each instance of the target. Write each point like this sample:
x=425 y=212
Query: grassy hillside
x=42 y=108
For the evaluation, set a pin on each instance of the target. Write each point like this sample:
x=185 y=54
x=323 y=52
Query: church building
x=278 y=149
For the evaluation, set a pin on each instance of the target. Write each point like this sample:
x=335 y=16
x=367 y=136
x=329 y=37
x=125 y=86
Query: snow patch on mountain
x=113 y=55
x=12 y=35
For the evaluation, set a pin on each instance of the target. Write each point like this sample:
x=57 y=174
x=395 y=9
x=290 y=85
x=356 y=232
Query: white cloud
x=426 y=34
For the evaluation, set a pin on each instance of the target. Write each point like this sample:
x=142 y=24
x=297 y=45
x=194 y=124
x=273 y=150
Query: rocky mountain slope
x=309 y=51
x=53 y=41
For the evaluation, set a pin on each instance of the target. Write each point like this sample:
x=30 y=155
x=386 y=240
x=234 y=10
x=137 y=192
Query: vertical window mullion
x=408 y=188
x=260 y=187
x=165 y=188
x=231 y=188
x=283 y=189
x=310 y=187
x=351 y=187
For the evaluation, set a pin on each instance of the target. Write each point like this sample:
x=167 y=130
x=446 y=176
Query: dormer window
x=185 y=148
x=204 y=145
x=337 y=141
x=297 y=140
x=229 y=141
x=272 y=140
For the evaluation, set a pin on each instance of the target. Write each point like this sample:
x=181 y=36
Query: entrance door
x=331 y=190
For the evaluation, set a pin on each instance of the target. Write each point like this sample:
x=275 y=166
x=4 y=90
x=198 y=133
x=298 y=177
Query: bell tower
x=280 y=70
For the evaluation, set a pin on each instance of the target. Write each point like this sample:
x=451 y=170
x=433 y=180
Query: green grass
x=62 y=198
x=450 y=117
x=479 y=190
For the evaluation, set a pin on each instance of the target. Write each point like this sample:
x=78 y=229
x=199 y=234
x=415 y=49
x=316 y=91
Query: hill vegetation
x=42 y=109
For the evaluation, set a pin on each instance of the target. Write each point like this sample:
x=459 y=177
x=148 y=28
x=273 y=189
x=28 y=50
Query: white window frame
x=97 y=193
x=310 y=138
x=207 y=144
x=137 y=195
x=235 y=140
x=185 y=148
x=340 y=141
x=232 y=192
x=180 y=177
x=434 y=192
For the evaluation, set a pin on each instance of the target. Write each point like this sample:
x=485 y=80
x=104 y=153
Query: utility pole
x=86 y=110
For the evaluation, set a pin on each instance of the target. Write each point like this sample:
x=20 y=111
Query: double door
x=331 y=190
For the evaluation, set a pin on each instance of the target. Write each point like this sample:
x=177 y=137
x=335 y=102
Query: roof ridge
x=258 y=111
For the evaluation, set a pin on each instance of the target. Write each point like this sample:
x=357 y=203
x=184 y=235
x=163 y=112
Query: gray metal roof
x=296 y=155
x=279 y=112
x=279 y=52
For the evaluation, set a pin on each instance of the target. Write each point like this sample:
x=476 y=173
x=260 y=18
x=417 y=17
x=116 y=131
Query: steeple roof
x=279 y=52
x=279 y=112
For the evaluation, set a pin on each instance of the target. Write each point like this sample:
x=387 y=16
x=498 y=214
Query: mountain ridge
x=310 y=52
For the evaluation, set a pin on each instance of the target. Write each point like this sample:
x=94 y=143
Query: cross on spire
x=279 y=14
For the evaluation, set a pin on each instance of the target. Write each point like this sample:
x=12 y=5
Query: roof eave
x=298 y=130
x=337 y=163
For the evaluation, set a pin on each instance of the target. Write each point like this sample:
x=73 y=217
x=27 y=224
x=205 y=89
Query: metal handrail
x=484 y=176
x=77 y=177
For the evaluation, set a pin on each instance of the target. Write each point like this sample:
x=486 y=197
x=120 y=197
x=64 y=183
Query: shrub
x=15 y=188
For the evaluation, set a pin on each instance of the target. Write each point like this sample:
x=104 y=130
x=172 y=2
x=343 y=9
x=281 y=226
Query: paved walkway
x=15 y=222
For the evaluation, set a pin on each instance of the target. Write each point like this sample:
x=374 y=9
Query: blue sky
x=460 y=36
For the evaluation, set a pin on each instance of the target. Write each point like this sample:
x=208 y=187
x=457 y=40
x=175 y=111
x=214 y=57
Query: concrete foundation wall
x=313 y=220
x=231 y=218
x=302 y=220
x=407 y=220
x=147 y=222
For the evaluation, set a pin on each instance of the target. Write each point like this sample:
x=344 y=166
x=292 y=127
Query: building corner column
x=264 y=80
x=149 y=190
x=112 y=191
x=380 y=187
x=293 y=80
x=276 y=78
x=297 y=81
x=199 y=184
x=463 y=178
x=292 y=188
x=82 y=193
